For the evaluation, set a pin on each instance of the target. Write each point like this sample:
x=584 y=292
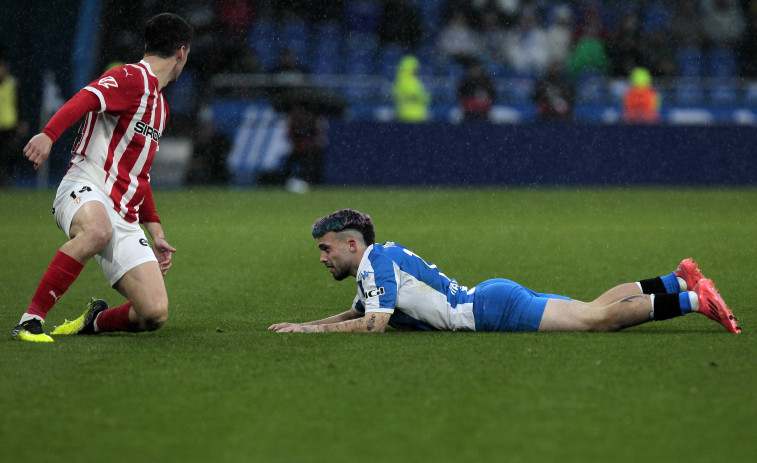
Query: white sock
x=694 y=301
x=682 y=284
x=27 y=316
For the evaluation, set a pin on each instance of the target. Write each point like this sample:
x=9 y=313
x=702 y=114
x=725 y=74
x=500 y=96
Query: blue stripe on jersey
x=427 y=272
x=383 y=273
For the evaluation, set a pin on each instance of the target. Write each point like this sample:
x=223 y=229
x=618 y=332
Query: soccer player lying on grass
x=106 y=192
x=395 y=287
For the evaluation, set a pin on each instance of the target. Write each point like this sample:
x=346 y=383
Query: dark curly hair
x=346 y=219
x=165 y=33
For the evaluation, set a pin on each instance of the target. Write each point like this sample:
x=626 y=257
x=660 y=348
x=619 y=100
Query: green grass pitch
x=213 y=385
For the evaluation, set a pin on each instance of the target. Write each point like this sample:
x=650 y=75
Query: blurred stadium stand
x=707 y=87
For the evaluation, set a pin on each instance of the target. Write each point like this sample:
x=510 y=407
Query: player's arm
x=344 y=316
x=148 y=217
x=371 y=322
x=38 y=148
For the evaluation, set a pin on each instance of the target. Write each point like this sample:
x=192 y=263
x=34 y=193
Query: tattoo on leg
x=630 y=298
x=371 y=323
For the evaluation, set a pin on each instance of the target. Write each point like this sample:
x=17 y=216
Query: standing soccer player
x=106 y=193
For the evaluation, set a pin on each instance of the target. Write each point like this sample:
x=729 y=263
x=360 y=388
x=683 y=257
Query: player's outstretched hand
x=285 y=327
x=163 y=252
x=38 y=149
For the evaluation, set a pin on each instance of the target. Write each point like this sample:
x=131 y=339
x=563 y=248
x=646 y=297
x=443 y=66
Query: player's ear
x=352 y=244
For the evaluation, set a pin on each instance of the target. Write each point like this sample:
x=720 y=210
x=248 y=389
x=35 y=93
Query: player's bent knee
x=155 y=316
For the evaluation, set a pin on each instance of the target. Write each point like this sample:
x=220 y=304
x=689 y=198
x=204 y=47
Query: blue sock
x=671 y=283
x=685 y=301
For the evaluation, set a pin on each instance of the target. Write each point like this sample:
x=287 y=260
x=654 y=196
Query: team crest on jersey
x=365 y=274
x=108 y=82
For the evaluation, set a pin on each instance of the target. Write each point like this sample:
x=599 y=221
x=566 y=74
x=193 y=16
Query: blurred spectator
x=723 y=21
x=411 y=99
x=12 y=128
x=560 y=34
x=686 y=25
x=494 y=38
x=289 y=75
x=241 y=58
x=400 y=24
x=307 y=132
x=588 y=57
x=236 y=17
x=747 y=47
x=362 y=16
x=210 y=149
x=465 y=7
x=589 y=22
x=289 y=65
x=641 y=103
x=506 y=11
x=554 y=94
x=625 y=46
x=476 y=93
x=458 y=41
x=528 y=48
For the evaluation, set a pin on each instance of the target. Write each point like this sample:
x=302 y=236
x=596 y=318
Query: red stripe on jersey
x=143 y=176
x=130 y=155
x=86 y=133
x=133 y=153
x=125 y=136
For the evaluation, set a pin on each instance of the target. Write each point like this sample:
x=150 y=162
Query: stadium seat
x=431 y=17
x=294 y=36
x=656 y=16
x=361 y=53
x=590 y=88
x=722 y=62
x=521 y=91
x=689 y=61
x=689 y=92
x=750 y=94
x=446 y=93
x=326 y=53
x=263 y=41
x=182 y=94
x=390 y=56
x=723 y=93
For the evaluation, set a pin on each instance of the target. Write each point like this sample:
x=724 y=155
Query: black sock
x=666 y=306
x=653 y=286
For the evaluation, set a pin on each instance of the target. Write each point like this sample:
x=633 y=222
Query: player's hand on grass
x=163 y=252
x=38 y=149
x=286 y=327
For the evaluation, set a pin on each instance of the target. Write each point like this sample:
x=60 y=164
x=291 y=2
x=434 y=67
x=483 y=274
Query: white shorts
x=129 y=246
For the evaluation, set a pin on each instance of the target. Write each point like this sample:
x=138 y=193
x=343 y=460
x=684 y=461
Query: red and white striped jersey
x=117 y=143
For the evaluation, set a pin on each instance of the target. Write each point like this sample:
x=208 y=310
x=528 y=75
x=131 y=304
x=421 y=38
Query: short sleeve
x=119 y=87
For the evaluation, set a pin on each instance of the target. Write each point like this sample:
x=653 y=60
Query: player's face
x=336 y=255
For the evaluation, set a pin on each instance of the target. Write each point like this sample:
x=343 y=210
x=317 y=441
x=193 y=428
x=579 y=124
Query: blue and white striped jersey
x=393 y=279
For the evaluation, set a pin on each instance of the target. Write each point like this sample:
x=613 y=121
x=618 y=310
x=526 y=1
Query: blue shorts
x=503 y=305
